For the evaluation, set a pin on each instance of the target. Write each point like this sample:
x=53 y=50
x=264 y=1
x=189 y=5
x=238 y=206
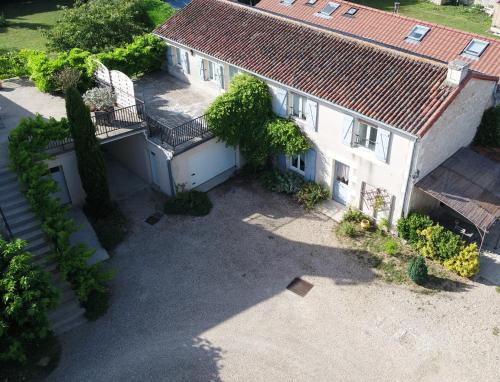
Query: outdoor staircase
x=25 y=225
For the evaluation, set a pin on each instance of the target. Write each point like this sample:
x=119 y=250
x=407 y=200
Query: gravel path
x=205 y=299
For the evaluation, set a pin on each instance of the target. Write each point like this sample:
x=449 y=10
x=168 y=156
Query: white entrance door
x=63 y=193
x=154 y=168
x=341 y=183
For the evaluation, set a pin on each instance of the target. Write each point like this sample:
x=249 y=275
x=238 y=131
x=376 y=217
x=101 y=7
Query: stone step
x=18 y=201
x=16 y=211
x=8 y=185
x=24 y=228
x=29 y=236
x=42 y=251
x=70 y=324
x=34 y=245
x=21 y=220
x=65 y=314
x=6 y=172
x=8 y=178
x=9 y=196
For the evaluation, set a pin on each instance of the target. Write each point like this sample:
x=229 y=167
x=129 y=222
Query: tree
x=91 y=165
x=100 y=25
x=26 y=296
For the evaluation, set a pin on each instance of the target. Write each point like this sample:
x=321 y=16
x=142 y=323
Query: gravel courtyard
x=205 y=299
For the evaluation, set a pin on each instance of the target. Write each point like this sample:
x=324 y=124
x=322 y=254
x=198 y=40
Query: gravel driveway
x=205 y=299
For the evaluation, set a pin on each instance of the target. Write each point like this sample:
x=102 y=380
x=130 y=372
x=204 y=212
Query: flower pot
x=365 y=224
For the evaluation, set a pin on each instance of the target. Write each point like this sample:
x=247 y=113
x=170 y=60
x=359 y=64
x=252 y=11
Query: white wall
x=69 y=165
x=457 y=126
x=162 y=164
x=131 y=152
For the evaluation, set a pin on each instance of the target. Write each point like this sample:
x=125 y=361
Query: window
x=287 y=2
x=418 y=33
x=298 y=164
x=476 y=47
x=367 y=136
x=232 y=72
x=211 y=71
x=298 y=106
x=311 y=2
x=329 y=8
x=351 y=12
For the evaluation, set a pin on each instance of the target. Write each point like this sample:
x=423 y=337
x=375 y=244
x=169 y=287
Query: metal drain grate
x=299 y=286
x=153 y=219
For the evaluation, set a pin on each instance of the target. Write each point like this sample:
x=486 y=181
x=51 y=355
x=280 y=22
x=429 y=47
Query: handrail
x=176 y=136
x=10 y=236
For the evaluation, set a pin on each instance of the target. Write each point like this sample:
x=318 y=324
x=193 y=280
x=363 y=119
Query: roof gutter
x=334 y=105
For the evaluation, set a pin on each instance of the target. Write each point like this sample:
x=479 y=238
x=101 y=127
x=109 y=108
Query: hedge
x=27 y=157
x=143 y=55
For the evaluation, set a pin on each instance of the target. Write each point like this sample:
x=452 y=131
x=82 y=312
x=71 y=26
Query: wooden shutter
x=310 y=170
x=281 y=161
x=280 y=103
x=170 y=55
x=219 y=75
x=382 y=144
x=347 y=130
x=201 y=67
x=312 y=115
x=185 y=62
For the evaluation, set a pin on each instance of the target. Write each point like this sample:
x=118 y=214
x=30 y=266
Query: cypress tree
x=91 y=164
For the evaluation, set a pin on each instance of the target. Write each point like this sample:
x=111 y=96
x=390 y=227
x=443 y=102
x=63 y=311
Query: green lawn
x=26 y=21
x=467 y=18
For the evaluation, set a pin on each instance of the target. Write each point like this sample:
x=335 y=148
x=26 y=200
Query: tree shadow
x=446 y=285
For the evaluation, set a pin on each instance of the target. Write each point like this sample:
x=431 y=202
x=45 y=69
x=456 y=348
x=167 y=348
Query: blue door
x=341 y=183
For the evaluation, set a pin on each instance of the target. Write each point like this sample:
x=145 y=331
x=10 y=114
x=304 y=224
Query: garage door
x=206 y=161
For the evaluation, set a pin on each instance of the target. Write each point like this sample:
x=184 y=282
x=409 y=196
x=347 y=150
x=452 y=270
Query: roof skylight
x=329 y=8
x=418 y=32
x=311 y=2
x=351 y=12
x=476 y=47
x=287 y=2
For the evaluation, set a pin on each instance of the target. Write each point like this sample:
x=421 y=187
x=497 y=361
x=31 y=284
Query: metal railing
x=109 y=121
x=181 y=134
x=4 y=226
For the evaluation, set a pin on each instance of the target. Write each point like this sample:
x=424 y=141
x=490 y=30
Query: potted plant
x=365 y=224
x=101 y=101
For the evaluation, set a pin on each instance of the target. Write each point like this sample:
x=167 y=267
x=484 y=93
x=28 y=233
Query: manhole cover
x=299 y=286
x=155 y=218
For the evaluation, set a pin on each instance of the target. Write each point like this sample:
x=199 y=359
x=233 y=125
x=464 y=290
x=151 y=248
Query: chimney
x=396 y=7
x=457 y=72
x=495 y=24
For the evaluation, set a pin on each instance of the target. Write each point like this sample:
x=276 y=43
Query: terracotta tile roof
x=440 y=43
x=396 y=89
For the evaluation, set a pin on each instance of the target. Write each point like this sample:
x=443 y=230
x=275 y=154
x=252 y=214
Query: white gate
x=121 y=84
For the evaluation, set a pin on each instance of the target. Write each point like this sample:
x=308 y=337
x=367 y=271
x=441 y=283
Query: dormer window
x=418 y=33
x=475 y=48
x=328 y=9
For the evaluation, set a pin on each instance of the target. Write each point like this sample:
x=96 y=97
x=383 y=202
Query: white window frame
x=365 y=142
x=301 y=113
x=177 y=57
x=232 y=72
x=213 y=66
x=297 y=169
x=423 y=32
x=329 y=4
x=470 y=53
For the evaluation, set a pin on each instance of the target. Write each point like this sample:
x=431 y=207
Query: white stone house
x=389 y=126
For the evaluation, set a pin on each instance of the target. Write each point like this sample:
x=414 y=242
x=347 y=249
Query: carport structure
x=469 y=184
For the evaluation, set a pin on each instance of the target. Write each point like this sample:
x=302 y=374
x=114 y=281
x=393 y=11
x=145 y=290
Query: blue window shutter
x=280 y=99
x=220 y=76
x=281 y=161
x=312 y=115
x=310 y=173
x=382 y=144
x=170 y=58
x=185 y=62
x=347 y=130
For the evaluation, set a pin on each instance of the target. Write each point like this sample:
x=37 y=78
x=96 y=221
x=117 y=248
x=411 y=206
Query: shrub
x=145 y=54
x=158 y=11
x=286 y=182
x=12 y=65
x=111 y=229
x=26 y=296
x=417 y=270
x=91 y=164
x=98 y=25
x=354 y=216
x=391 y=246
x=449 y=245
x=194 y=203
x=97 y=304
x=347 y=228
x=384 y=224
x=311 y=194
x=438 y=243
x=285 y=137
x=409 y=227
x=488 y=133
x=466 y=264
x=27 y=155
